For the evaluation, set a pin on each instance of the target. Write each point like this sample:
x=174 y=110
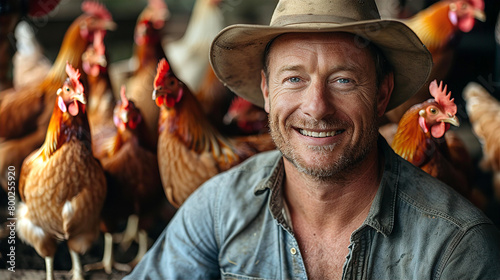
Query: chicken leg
x=108 y=261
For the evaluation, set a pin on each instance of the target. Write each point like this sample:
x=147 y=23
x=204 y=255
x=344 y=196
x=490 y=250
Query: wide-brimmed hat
x=237 y=51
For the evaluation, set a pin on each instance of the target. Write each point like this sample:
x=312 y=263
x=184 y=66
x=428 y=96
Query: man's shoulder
x=243 y=178
x=432 y=197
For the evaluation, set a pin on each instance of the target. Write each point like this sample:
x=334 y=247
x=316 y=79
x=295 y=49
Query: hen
x=100 y=94
x=188 y=55
x=190 y=149
x=148 y=51
x=483 y=111
x=134 y=184
x=11 y=11
x=247 y=118
x=29 y=63
x=421 y=139
x=61 y=184
x=25 y=113
x=439 y=27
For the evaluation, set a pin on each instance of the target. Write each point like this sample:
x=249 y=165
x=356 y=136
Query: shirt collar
x=382 y=211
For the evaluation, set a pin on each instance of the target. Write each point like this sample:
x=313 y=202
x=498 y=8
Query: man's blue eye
x=343 y=81
x=294 y=80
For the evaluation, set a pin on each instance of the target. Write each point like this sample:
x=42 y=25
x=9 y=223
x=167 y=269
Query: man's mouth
x=321 y=134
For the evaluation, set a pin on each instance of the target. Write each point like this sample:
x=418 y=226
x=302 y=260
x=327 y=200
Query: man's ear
x=264 y=89
x=384 y=93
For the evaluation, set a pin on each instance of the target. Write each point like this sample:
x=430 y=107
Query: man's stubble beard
x=345 y=162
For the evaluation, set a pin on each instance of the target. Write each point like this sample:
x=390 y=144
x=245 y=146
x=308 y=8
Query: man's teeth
x=319 y=134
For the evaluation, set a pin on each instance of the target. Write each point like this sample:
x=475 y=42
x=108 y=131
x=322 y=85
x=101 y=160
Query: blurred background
x=476 y=58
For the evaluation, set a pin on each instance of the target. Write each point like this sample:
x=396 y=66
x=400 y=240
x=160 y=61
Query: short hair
x=382 y=65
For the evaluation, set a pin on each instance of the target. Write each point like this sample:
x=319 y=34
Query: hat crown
x=289 y=12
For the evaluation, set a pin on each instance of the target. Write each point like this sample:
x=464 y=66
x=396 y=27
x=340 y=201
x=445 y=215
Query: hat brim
x=236 y=54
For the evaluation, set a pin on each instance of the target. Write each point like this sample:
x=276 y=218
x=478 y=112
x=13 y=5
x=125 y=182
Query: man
x=335 y=201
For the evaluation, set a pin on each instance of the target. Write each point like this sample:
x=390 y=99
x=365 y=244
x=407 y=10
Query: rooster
x=190 y=149
x=421 y=139
x=134 y=184
x=483 y=111
x=23 y=127
x=439 y=28
x=61 y=184
x=148 y=51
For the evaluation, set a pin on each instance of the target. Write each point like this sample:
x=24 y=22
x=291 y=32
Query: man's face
x=322 y=101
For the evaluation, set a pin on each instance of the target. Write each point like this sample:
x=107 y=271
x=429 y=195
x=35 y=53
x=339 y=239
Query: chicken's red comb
x=162 y=70
x=74 y=78
x=99 y=43
x=441 y=97
x=239 y=104
x=123 y=96
x=96 y=9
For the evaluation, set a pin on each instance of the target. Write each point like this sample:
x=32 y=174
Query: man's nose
x=317 y=101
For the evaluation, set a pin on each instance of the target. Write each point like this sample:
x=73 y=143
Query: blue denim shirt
x=234 y=227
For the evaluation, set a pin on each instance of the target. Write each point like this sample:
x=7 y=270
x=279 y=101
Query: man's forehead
x=343 y=41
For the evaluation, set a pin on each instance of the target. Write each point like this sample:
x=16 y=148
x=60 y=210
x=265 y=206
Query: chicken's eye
x=173 y=82
x=433 y=111
x=67 y=89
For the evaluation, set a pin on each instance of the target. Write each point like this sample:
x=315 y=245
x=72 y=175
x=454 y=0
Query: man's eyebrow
x=335 y=68
x=287 y=68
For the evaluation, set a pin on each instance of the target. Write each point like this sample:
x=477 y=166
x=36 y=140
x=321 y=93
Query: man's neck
x=333 y=203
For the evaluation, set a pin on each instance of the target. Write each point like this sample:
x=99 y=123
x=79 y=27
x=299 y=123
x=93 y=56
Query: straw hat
x=237 y=51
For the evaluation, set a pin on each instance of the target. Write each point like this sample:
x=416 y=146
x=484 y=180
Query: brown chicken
x=423 y=139
x=134 y=184
x=100 y=94
x=484 y=115
x=439 y=27
x=148 y=51
x=247 y=117
x=61 y=184
x=190 y=149
x=25 y=113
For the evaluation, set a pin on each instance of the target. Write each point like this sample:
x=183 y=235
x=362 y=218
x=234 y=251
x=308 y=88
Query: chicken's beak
x=452 y=120
x=124 y=117
x=159 y=91
x=101 y=60
x=110 y=25
x=479 y=15
x=80 y=97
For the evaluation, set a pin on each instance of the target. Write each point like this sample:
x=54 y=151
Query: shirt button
x=293 y=251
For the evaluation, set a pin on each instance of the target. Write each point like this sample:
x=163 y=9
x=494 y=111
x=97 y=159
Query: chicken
x=11 y=11
x=148 y=51
x=484 y=115
x=100 y=92
x=421 y=139
x=30 y=65
x=62 y=185
x=134 y=184
x=188 y=55
x=190 y=149
x=439 y=28
x=25 y=113
x=248 y=118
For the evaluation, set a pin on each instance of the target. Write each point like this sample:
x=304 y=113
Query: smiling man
x=334 y=201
